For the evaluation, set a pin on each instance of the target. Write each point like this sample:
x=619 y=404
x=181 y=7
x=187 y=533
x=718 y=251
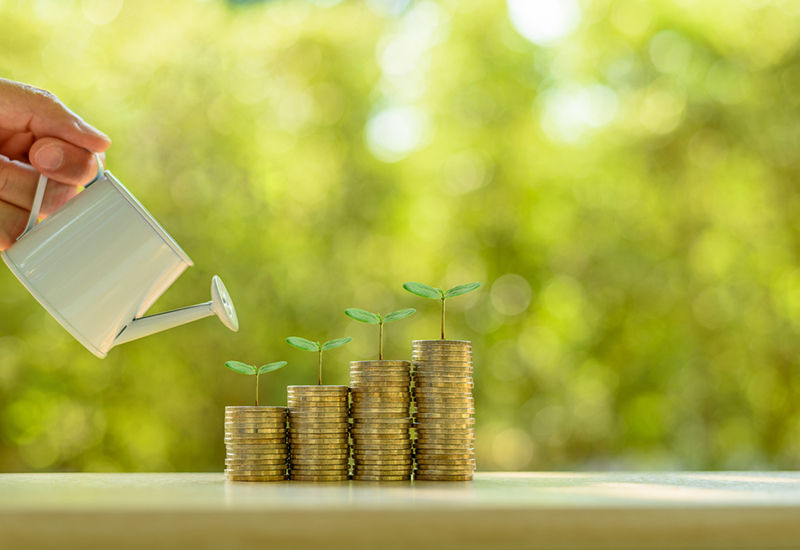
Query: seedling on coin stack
x=444 y=408
x=375 y=319
x=255 y=437
x=433 y=293
x=380 y=410
x=252 y=370
x=308 y=345
x=319 y=442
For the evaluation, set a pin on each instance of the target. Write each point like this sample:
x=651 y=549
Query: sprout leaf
x=302 y=343
x=424 y=290
x=461 y=289
x=363 y=316
x=335 y=343
x=271 y=367
x=397 y=315
x=241 y=368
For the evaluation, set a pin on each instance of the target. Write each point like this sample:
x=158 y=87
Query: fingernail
x=50 y=157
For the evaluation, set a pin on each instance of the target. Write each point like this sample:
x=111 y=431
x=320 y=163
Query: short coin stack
x=318 y=433
x=381 y=399
x=444 y=409
x=255 y=441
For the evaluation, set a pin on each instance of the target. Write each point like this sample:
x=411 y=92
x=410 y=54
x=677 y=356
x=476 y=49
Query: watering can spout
x=220 y=305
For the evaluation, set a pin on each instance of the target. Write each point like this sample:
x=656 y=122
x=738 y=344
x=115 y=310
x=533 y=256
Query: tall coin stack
x=381 y=399
x=255 y=441
x=319 y=442
x=444 y=409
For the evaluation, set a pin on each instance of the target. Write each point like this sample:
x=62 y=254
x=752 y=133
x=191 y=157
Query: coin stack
x=444 y=409
x=380 y=396
x=255 y=441
x=318 y=433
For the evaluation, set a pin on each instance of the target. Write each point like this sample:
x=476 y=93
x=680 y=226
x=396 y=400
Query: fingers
x=18 y=183
x=24 y=108
x=63 y=161
x=12 y=223
x=15 y=145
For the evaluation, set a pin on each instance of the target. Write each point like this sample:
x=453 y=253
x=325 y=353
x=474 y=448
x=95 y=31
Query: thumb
x=24 y=109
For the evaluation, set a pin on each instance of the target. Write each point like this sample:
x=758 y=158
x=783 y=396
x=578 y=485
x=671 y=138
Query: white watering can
x=99 y=262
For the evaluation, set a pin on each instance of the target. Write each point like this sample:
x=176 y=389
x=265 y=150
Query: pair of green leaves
x=374 y=318
x=308 y=345
x=433 y=293
x=244 y=368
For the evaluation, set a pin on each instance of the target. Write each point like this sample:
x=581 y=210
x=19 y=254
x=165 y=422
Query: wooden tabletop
x=497 y=511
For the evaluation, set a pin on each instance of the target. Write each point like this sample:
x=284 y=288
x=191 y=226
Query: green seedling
x=244 y=368
x=438 y=294
x=308 y=345
x=375 y=319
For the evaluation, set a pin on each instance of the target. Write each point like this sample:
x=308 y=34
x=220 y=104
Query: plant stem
x=319 y=382
x=257 y=375
x=443 y=299
x=380 y=349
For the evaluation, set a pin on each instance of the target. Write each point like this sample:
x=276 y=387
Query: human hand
x=39 y=134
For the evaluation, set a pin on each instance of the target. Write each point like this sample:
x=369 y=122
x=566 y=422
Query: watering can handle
x=39 y=197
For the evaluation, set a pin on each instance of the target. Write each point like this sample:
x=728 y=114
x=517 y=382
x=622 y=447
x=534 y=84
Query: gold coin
x=399 y=470
x=445 y=400
x=232 y=477
x=357 y=393
x=254 y=432
x=316 y=400
x=319 y=423
x=381 y=478
x=338 y=445
x=251 y=441
x=380 y=452
x=327 y=462
x=383 y=400
x=380 y=430
x=319 y=478
x=382 y=423
x=265 y=427
x=265 y=413
x=397 y=462
x=382 y=447
x=233 y=463
x=319 y=470
x=435 y=455
x=441 y=433
x=319 y=428
x=316 y=389
x=300 y=420
x=324 y=453
x=339 y=409
x=381 y=363
x=382 y=384
x=255 y=410
x=446 y=463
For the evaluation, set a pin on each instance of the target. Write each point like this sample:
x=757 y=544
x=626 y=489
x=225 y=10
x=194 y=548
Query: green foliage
x=303 y=344
x=424 y=291
x=338 y=342
x=363 y=316
x=241 y=368
x=640 y=307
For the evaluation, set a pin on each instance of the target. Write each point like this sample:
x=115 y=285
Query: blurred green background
x=622 y=176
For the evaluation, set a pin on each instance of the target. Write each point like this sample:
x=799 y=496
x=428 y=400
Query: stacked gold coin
x=379 y=391
x=444 y=409
x=319 y=441
x=255 y=441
